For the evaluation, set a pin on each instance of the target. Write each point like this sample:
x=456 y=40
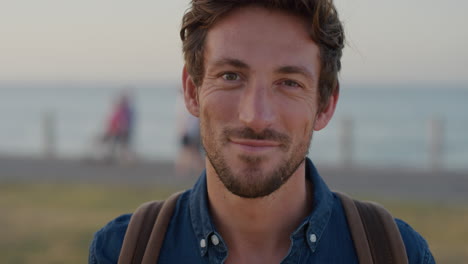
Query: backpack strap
x=375 y=234
x=146 y=231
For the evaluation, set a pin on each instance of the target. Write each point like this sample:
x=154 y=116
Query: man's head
x=255 y=79
x=322 y=24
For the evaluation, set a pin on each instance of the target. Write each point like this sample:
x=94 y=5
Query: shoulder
x=107 y=242
x=416 y=246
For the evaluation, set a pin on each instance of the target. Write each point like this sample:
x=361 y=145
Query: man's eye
x=230 y=76
x=290 y=83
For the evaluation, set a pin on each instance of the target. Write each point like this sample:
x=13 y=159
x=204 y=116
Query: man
x=261 y=76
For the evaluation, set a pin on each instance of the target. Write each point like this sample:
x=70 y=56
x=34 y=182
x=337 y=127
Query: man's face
x=258 y=103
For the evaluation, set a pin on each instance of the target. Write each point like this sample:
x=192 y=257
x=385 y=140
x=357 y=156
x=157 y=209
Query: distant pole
x=49 y=135
x=346 y=129
x=436 y=143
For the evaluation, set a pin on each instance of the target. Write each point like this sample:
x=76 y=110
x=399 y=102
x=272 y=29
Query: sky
x=387 y=41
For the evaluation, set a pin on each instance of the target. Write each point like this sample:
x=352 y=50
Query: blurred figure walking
x=117 y=137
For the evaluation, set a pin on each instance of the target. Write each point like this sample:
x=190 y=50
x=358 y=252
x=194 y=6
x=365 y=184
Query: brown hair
x=324 y=25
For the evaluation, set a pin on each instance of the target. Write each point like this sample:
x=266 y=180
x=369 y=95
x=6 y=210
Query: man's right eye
x=230 y=76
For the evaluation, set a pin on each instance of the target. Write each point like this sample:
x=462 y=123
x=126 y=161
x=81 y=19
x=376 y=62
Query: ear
x=326 y=114
x=190 y=93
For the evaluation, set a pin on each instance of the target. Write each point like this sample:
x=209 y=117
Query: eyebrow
x=296 y=70
x=232 y=62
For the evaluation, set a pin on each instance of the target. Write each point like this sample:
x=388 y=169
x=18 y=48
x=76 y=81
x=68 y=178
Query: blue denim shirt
x=323 y=236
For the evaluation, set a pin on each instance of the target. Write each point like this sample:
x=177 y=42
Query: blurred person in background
x=117 y=137
x=262 y=76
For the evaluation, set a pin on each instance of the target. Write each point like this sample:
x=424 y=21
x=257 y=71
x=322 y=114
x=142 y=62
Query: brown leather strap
x=376 y=236
x=158 y=233
x=384 y=237
x=358 y=233
x=146 y=230
x=138 y=232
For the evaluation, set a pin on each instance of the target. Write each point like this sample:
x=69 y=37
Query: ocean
x=390 y=121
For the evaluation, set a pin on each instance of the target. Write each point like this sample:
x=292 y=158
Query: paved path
x=394 y=183
x=443 y=186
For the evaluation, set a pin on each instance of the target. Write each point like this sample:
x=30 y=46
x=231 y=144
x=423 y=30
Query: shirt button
x=203 y=243
x=313 y=238
x=214 y=240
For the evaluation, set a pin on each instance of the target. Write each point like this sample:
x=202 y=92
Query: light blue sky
x=399 y=40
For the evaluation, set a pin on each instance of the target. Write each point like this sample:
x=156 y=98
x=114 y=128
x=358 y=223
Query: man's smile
x=254 y=145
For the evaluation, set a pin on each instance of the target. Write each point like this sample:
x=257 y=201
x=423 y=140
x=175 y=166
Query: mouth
x=254 y=145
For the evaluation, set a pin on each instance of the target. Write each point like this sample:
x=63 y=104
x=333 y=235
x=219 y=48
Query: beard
x=253 y=181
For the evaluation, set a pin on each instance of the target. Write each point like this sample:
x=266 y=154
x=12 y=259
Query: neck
x=255 y=228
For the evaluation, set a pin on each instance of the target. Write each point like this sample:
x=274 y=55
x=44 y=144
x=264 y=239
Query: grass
x=444 y=227
x=54 y=223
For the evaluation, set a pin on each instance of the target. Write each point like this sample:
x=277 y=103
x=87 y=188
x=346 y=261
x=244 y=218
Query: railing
x=49 y=134
x=346 y=146
x=435 y=142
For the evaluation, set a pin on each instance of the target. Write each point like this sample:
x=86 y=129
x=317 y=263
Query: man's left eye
x=230 y=76
x=290 y=83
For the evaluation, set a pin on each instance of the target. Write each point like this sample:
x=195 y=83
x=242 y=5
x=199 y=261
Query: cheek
x=219 y=106
x=298 y=117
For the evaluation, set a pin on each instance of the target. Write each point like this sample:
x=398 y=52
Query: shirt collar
x=313 y=226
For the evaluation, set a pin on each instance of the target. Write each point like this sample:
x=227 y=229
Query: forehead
x=264 y=35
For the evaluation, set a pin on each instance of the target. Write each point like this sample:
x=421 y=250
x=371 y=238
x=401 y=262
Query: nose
x=256 y=107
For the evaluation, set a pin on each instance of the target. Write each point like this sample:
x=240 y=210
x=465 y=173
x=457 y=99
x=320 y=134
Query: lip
x=255 y=145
